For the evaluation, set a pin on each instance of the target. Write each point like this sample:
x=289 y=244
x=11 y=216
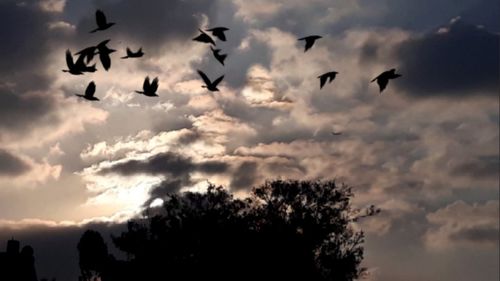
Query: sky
x=425 y=151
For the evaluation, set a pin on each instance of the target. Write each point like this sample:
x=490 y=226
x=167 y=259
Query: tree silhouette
x=93 y=254
x=285 y=230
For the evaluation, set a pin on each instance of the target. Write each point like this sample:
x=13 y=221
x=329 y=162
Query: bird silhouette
x=219 y=32
x=104 y=53
x=102 y=23
x=326 y=76
x=88 y=53
x=89 y=92
x=310 y=41
x=211 y=86
x=204 y=38
x=384 y=77
x=149 y=89
x=73 y=68
x=220 y=57
x=131 y=54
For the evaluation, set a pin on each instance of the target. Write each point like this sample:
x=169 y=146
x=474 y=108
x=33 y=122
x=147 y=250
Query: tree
x=93 y=254
x=285 y=230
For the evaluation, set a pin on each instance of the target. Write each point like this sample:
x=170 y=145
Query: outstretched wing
x=69 y=59
x=217 y=81
x=322 y=80
x=100 y=18
x=146 y=85
x=204 y=77
x=154 y=85
x=105 y=60
x=89 y=92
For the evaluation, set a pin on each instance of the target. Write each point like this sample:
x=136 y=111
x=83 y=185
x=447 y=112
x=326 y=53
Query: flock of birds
x=85 y=57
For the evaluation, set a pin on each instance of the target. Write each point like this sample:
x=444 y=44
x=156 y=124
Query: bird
x=336 y=133
x=89 y=92
x=102 y=23
x=88 y=53
x=326 y=76
x=384 y=77
x=220 y=57
x=104 y=52
x=204 y=38
x=149 y=89
x=309 y=41
x=73 y=68
x=131 y=54
x=211 y=86
x=219 y=32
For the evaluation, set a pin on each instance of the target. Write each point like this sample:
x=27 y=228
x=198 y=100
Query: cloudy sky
x=426 y=151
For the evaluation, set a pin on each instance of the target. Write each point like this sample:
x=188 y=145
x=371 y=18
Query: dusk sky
x=425 y=151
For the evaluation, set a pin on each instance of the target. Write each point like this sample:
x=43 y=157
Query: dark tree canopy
x=93 y=254
x=286 y=230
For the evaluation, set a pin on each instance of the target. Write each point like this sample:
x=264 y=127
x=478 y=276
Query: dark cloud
x=160 y=164
x=150 y=23
x=245 y=176
x=19 y=112
x=461 y=61
x=25 y=44
x=479 y=168
x=175 y=167
x=11 y=165
x=484 y=234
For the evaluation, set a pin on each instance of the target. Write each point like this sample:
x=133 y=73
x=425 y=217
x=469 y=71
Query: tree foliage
x=285 y=230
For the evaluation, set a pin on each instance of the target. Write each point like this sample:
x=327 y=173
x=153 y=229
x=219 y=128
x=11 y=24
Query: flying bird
x=131 y=54
x=204 y=38
x=220 y=57
x=310 y=41
x=384 y=77
x=89 y=92
x=211 y=86
x=149 y=89
x=326 y=76
x=219 y=32
x=88 y=53
x=102 y=23
x=104 y=53
x=73 y=68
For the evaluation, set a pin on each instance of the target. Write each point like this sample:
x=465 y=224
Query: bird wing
x=217 y=81
x=105 y=60
x=322 y=80
x=100 y=18
x=309 y=43
x=331 y=76
x=204 y=77
x=219 y=33
x=154 y=85
x=129 y=52
x=89 y=92
x=103 y=44
x=69 y=59
x=146 y=85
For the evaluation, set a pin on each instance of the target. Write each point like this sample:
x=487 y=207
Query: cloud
x=460 y=60
x=11 y=165
x=462 y=224
x=245 y=176
x=150 y=24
